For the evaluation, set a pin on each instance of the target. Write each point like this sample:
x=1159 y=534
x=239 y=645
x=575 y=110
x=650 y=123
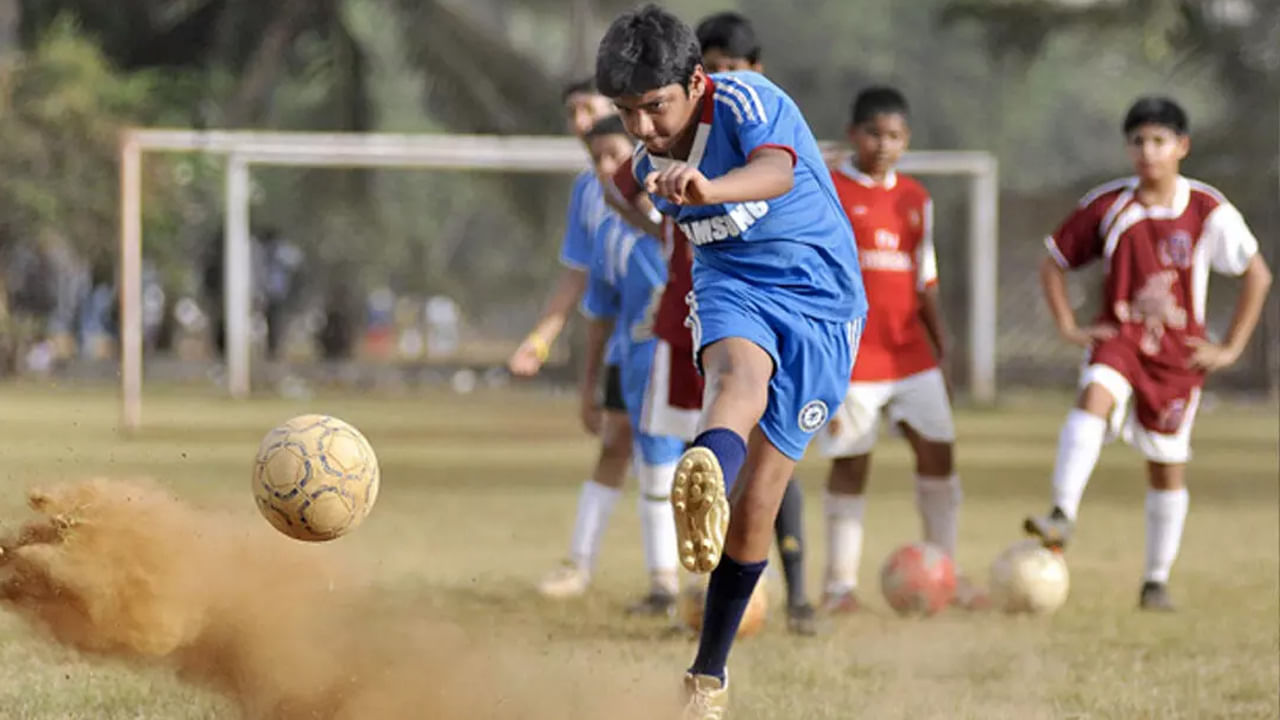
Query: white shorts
x=659 y=416
x=919 y=401
x=1171 y=448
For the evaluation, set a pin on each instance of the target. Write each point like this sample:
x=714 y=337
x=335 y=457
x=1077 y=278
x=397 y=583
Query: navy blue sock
x=727 y=596
x=729 y=448
x=789 y=528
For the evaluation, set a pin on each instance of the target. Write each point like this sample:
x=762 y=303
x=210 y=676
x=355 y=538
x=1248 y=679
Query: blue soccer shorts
x=812 y=358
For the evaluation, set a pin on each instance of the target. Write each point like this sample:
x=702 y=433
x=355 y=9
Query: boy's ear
x=697 y=82
x=1184 y=146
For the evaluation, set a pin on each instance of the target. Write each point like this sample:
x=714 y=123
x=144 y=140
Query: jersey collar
x=701 y=135
x=851 y=171
x=1181 y=198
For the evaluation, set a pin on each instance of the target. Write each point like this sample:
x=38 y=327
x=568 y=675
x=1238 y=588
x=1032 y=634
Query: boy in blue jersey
x=625 y=280
x=776 y=307
x=603 y=416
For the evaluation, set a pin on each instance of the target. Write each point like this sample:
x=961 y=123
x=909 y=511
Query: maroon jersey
x=1156 y=277
x=673 y=308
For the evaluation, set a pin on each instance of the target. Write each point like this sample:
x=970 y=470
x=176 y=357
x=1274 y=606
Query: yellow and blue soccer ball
x=315 y=478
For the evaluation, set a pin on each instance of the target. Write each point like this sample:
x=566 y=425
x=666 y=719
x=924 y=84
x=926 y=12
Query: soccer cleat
x=655 y=604
x=569 y=580
x=802 y=620
x=701 y=509
x=969 y=596
x=844 y=603
x=706 y=698
x=1054 y=529
x=1155 y=596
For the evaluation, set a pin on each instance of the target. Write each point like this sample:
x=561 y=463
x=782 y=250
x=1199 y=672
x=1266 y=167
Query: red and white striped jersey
x=1157 y=260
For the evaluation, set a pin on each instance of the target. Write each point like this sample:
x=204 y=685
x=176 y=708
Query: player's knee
x=848 y=476
x=933 y=459
x=1096 y=400
x=615 y=439
x=1166 y=476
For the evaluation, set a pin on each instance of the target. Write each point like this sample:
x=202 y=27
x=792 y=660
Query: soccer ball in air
x=693 y=600
x=1029 y=578
x=918 y=579
x=315 y=478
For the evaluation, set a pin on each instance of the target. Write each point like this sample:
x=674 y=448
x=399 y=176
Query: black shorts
x=611 y=392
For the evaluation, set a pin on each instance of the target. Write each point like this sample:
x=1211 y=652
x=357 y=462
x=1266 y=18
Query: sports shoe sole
x=701 y=510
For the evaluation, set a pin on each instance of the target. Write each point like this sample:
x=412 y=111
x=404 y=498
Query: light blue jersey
x=625 y=280
x=587 y=209
x=798 y=245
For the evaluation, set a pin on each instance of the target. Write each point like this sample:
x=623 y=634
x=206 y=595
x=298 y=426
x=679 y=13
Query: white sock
x=1166 y=514
x=658 y=524
x=844 y=541
x=938 y=500
x=595 y=505
x=1079 y=445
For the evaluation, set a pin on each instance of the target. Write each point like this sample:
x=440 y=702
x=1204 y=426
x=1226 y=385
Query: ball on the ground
x=315 y=478
x=918 y=579
x=1029 y=578
x=694 y=599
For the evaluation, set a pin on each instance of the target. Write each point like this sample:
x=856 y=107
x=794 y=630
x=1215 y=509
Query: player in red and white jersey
x=897 y=371
x=1159 y=235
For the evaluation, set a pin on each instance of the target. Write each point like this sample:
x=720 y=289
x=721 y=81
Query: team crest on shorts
x=813 y=415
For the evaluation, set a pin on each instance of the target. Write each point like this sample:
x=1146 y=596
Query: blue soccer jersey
x=587 y=210
x=625 y=280
x=798 y=245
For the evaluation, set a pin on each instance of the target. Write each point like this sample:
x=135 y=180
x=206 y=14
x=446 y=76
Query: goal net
x=246 y=153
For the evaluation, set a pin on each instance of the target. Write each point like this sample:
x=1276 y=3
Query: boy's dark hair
x=731 y=34
x=607 y=125
x=1156 y=110
x=878 y=100
x=581 y=85
x=646 y=49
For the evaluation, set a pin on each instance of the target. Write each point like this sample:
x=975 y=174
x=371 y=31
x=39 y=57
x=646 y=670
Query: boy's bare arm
x=1253 y=294
x=769 y=173
x=1053 y=279
x=533 y=351
x=931 y=317
x=598 y=330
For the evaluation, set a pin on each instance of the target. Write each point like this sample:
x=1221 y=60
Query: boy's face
x=608 y=152
x=1156 y=151
x=659 y=118
x=583 y=109
x=716 y=60
x=880 y=142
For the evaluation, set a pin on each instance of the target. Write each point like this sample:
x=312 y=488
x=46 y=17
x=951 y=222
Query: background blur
x=416 y=274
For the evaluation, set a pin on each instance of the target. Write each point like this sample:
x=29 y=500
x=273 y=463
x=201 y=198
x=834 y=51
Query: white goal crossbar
x=244 y=149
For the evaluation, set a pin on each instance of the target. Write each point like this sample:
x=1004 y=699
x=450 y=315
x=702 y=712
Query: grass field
x=476 y=503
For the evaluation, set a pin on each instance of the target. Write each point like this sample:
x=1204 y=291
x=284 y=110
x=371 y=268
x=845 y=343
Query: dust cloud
x=124 y=570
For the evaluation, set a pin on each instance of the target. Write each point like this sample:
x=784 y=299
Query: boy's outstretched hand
x=681 y=184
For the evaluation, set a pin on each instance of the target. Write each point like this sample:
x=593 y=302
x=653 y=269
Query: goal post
x=530 y=154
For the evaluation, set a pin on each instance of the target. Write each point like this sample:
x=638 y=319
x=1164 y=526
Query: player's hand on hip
x=681 y=184
x=1208 y=356
x=1087 y=337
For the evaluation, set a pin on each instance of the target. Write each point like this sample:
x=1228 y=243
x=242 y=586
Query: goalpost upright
x=244 y=149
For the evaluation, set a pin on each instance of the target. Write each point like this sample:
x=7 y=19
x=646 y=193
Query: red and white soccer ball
x=918 y=579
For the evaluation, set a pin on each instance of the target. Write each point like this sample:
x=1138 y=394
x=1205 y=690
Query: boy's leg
x=847 y=441
x=1079 y=445
x=846 y=503
x=737 y=389
x=788 y=528
x=1166 y=511
x=655 y=467
x=746 y=551
x=1167 y=499
x=596 y=501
